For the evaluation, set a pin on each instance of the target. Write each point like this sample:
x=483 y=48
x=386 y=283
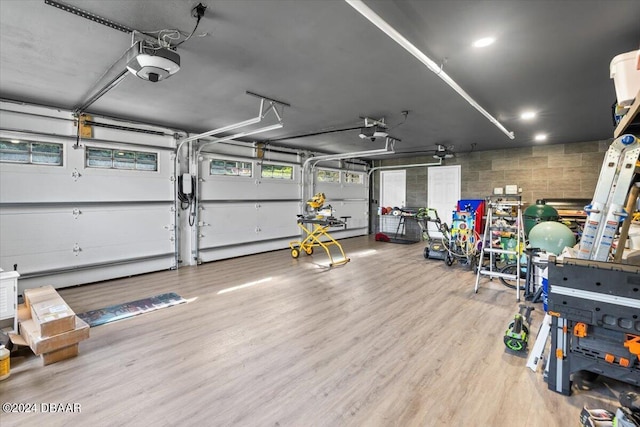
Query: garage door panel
x=228 y=188
x=73 y=181
x=350 y=191
x=278 y=219
x=228 y=224
x=55 y=238
x=278 y=189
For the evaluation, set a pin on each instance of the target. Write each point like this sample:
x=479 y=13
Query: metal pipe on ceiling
x=413 y=165
x=306 y=135
x=376 y=20
x=241 y=135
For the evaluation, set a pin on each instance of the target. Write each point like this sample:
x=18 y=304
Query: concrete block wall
x=568 y=171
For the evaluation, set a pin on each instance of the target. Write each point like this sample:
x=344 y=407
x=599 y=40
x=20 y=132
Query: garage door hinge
x=76 y=213
x=75 y=174
x=76 y=249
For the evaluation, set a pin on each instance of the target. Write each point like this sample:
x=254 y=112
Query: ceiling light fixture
x=15 y=141
x=528 y=115
x=484 y=42
x=375 y=19
x=540 y=137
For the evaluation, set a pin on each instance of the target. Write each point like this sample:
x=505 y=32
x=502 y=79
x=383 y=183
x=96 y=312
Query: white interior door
x=443 y=191
x=393 y=188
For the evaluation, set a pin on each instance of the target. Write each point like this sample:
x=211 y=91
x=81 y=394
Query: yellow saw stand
x=316 y=228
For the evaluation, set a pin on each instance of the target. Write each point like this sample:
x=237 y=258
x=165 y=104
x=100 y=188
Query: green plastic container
x=535 y=214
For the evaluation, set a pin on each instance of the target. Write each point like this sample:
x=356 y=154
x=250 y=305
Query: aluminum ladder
x=495 y=204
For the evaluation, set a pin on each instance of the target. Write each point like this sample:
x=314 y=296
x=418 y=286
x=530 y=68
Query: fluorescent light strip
x=246 y=285
x=431 y=65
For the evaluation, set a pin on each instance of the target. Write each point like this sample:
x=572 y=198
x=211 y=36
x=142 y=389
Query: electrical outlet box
x=511 y=189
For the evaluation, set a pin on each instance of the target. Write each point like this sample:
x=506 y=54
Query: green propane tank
x=538 y=213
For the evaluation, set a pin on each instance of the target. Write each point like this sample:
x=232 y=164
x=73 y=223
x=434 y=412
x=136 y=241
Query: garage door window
x=121 y=159
x=326 y=175
x=230 y=168
x=277 y=171
x=29 y=152
x=354 y=178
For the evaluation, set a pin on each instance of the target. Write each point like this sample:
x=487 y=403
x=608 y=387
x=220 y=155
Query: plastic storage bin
x=626 y=76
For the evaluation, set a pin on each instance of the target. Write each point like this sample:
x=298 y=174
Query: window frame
x=239 y=164
x=360 y=174
x=335 y=172
x=278 y=165
x=30 y=153
x=118 y=158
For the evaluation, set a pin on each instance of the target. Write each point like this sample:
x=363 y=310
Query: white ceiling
x=333 y=66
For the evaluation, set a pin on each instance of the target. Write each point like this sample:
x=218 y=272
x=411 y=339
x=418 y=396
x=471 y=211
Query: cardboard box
x=24 y=313
x=40 y=345
x=60 y=354
x=34 y=295
x=52 y=316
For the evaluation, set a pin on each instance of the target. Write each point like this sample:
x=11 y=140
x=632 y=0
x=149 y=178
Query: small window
x=121 y=159
x=29 y=152
x=325 y=175
x=277 y=171
x=230 y=168
x=354 y=178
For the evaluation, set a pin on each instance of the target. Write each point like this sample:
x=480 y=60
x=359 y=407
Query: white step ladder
x=496 y=204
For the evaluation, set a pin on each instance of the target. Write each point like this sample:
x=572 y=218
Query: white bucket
x=634 y=237
x=626 y=76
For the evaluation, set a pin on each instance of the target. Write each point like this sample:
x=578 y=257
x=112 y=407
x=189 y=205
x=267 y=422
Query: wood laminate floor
x=389 y=339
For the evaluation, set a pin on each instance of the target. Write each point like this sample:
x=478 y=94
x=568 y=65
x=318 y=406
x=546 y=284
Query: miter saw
x=317 y=208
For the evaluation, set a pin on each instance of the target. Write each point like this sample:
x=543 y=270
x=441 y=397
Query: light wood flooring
x=389 y=339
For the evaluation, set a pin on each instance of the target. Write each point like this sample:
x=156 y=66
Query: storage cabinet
x=9 y=297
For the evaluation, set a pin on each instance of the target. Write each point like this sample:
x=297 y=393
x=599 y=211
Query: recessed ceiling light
x=540 y=137
x=484 y=42
x=15 y=141
x=528 y=115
